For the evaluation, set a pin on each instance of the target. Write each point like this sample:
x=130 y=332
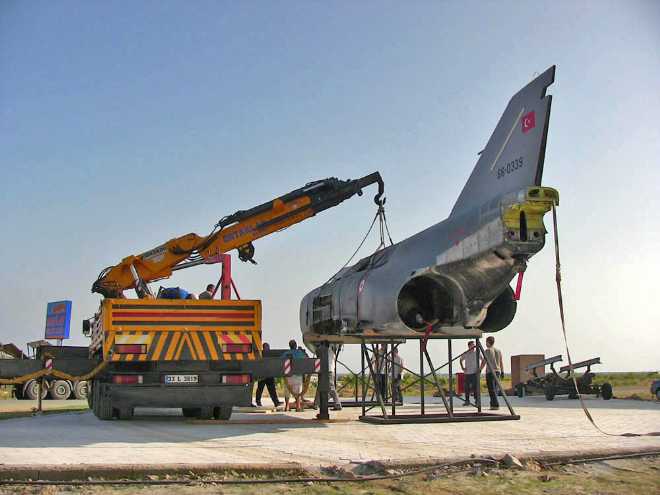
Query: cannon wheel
x=550 y=392
x=606 y=391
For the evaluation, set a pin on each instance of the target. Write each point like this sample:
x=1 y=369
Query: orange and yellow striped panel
x=175 y=345
x=173 y=330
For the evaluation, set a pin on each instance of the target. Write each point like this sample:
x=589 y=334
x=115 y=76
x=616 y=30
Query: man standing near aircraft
x=495 y=368
x=469 y=366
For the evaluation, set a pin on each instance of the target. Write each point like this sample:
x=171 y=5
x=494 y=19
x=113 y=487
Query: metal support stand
x=424 y=416
x=451 y=377
x=324 y=381
x=41 y=389
x=477 y=392
x=364 y=393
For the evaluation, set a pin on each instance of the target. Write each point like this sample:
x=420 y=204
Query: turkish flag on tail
x=528 y=122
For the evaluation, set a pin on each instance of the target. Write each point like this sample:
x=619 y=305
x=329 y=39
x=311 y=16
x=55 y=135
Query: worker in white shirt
x=470 y=369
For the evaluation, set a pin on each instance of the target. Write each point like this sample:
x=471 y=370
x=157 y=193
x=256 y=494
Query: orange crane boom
x=236 y=231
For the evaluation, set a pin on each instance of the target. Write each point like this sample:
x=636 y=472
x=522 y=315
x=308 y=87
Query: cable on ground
x=466 y=463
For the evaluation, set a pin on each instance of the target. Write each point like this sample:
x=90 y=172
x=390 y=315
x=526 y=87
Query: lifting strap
x=560 y=299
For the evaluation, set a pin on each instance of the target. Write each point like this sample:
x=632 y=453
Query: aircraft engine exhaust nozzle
x=423 y=301
x=501 y=311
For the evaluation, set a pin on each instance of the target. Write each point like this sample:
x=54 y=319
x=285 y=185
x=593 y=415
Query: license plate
x=181 y=379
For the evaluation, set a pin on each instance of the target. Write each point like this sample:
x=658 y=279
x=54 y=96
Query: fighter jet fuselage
x=453 y=278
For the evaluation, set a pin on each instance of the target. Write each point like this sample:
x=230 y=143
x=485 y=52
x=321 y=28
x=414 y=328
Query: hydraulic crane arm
x=236 y=231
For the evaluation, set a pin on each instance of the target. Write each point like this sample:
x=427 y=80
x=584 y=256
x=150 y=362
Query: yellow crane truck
x=200 y=355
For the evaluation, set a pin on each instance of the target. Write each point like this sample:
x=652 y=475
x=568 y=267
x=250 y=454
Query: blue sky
x=125 y=124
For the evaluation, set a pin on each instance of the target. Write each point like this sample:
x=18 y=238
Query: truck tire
x=606 y=391
x=222 y=412
x=31 y=390
x=125 y=412
x=198 y=412
x=102 y=405
x=190 y=412
x=60 y=390
x=657 y=394
x=81 y=390
x=90 y=395
x=205 y=412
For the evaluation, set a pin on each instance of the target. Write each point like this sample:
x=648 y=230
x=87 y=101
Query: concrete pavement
x=546 y=428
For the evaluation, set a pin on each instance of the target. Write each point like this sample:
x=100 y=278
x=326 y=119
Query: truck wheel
x=80 y=390
x=222 y=412
x=60 y=390
x=125 y=412
x=190 y=412
x=657 y=394
x=31 y=390
x=549 y=392
x=606 y=391
x=102 y=405
x=205 y=412
x=90 y=396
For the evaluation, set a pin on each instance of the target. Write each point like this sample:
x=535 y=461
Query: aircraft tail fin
x=514 y=155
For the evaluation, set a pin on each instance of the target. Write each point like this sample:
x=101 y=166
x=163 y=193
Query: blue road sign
x=58 y=320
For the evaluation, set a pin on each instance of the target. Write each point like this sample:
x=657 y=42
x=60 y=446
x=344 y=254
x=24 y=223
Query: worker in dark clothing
x=495 y=369
x=208 y=293
x=269 y=383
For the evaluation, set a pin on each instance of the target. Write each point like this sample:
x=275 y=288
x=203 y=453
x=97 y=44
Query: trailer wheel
x=60 y=390
x=102 y=405
x=222 y=412
x=31 y=390
x=606 y=391
x=81 y=390
x=549 y=392
x=520 y=390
